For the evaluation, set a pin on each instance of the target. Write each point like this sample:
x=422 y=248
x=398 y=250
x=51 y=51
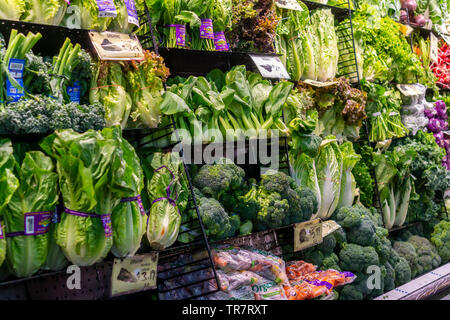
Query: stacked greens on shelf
x=308 y=44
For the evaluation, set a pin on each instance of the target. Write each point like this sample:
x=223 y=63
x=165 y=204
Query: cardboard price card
x=134 y=274
x=307 y=234
x=270 y=67
x=328 y=227
x=289 y=4
x=409 y=89
x=319 y=84
x=116 y=46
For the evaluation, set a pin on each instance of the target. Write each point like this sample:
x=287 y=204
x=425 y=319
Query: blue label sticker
x=15 y=68
x=74 y=92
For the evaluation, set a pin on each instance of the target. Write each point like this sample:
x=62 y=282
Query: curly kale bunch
x=44 y=114
x=441 y=239
x=36 y=78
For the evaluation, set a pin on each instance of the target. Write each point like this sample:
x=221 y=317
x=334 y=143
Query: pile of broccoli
x=441 y=239
x=420 y=253
x=274 y=202
x=360 y=243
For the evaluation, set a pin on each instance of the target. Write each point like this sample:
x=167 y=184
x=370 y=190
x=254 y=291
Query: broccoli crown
x=357 y=258
x=441 y=239
x=340 y=236
x=273 y=212
x=357 y=290
x=328 y=244
x=213 y=216
x=248 y=205
x=230 y=228
x=428 y=256
x=363 y=234
x=217 y=179
x=351 y=292
x=389 y=280
x=314 y=256
x=348 y=217
x=277 y=182
x=302 y=201
x=407 y=251
x=402 y=272
x=308 y=204
x=330 y=261
x=383 y=247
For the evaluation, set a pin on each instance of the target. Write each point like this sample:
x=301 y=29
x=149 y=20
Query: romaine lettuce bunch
x=12 y=9
x=45 y=11
x=89 y=167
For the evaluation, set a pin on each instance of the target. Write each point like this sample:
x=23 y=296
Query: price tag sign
x=116 y=46
x=433 y=48
x=134 y=274
x=409 y=89
x=320 y=84
x=328 y=227
x=307 y=234
x=289 y=4
x=270 y=67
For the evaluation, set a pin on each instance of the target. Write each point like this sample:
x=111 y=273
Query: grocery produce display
x=95 y=151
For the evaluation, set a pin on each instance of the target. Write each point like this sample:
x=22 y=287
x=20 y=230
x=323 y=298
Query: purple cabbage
x=430 y=113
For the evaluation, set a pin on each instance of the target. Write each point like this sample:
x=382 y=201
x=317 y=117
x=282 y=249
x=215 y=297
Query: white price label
x=134 y=274
x=270 y=67
x=319 y=84
x=409 y=89
x=433 y=48
x=289 y=4
x=307 y=234
x=116 y=46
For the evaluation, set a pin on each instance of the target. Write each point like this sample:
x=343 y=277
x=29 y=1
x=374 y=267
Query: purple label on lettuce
x=132 y=12
x=220 y=41
x=1 y=231
x=106 y=9
x=181 y=35
x=206 y=29
x=106 y=221
x=68 y=2
x=37 y=223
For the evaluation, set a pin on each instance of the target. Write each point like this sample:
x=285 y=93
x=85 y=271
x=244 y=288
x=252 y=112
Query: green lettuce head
x=8 y=185
x=85 y=163
x=45 y=11
x=87 y=12
x=128 y=217
x=37 y=193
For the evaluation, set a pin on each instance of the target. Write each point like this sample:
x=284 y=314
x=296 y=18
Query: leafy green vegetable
x=348 y=184
x=45 y=12
x=87 y=164
x=8 y=186
x=37 y=192
x=12 y=9
x=128 y=218
x=88 y=15
x=168 y=186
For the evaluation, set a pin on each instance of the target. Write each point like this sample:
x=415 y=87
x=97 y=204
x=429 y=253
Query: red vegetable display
x=441 y=68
